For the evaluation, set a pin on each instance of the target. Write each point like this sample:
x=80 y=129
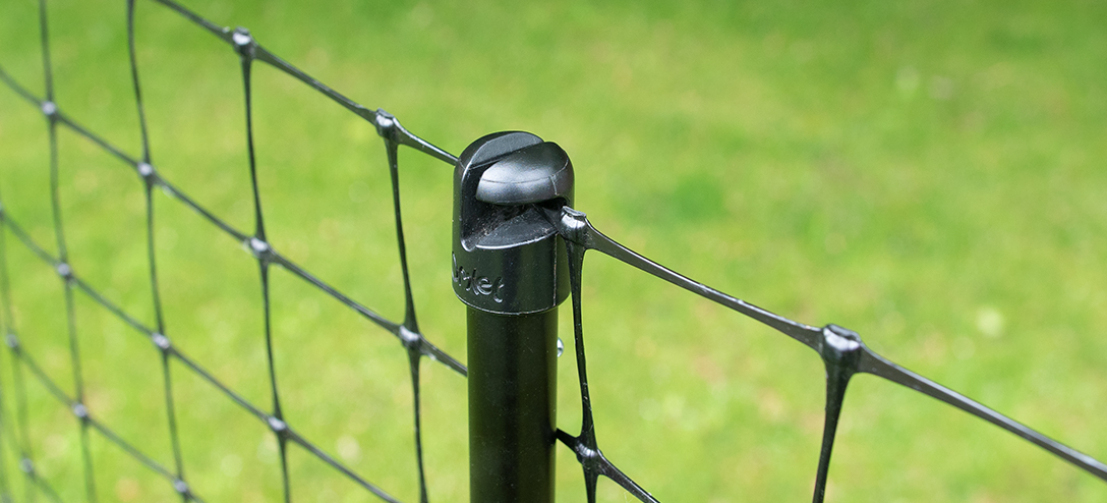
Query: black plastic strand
x=407 y=332
x=150 y=180
x=872 y=363
x=245 y=46
x=27 y=361
x=584 y=445
x=842 y=351
x=5 y=320
x=173 y=352
x=50 y=110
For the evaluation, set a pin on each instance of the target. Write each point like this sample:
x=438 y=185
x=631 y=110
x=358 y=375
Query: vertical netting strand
x=409 y=332
x=149 y=177
x=836 y=381
x=6 y=323
x=246 y=47
x=50 y=109
x=586 y=447
x=841 y=350
x=133 y=57
x=25 y=456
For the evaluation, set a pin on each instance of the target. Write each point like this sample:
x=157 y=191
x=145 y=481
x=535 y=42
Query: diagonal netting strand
x=407 y=332
x=842 y=351
x=23 y=360
x=82 y=413
x=403 y=136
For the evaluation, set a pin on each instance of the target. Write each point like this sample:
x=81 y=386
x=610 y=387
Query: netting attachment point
x=27 y=466
x=243 y=42
x=385 y=123
x=590 y=459
x=12 y=341
x=241 y=36
x=180 y=486
x=279 y=427
x=840 y=346
x=161 y=341
x=80 y=411
x=64 y=271
x=258 y=248
x=49 y=109
x=574 y=224
x=145 y=170
x=409 y=338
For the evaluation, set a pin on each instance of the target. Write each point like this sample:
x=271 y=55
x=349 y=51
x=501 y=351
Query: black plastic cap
x=507 y=257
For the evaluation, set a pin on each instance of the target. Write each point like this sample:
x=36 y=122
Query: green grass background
x=930 y=174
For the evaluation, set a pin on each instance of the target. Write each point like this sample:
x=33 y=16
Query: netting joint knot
x=161 y=341
x=259 y=249
x=147 y=172
x=411 y=340
x=50 y=109
x=244 y=43
x=386 y=125
x=840 y=347
x=591 y=460
x=181 y=487
x=277 y=425
x=80 y=411
x=64 y=271
x=573 y=225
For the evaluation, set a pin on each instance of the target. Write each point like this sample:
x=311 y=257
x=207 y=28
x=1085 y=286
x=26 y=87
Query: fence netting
x=15 y=436
x=842 y=351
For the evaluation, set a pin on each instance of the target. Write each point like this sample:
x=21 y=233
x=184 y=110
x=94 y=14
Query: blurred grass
x=929 y=174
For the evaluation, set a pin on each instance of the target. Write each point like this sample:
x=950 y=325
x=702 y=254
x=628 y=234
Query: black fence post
x=510 y=269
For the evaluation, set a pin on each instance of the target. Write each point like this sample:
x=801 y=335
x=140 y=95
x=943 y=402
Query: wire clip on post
x=510 y=268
